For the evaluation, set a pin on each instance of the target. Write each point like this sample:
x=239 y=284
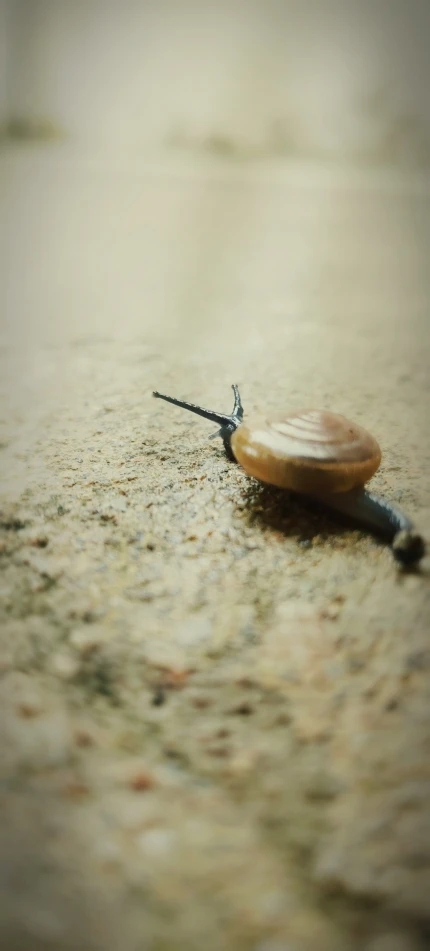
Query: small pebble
x=86 y=640
x=141 y=782
x=330 y=612
x=243 y=709
x=159 y=697
x=83 y=738
x=201 y=703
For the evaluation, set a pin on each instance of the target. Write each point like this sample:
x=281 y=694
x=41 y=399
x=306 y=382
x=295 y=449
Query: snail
x=319 y=454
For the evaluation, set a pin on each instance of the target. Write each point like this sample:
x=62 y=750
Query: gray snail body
x=319 y=454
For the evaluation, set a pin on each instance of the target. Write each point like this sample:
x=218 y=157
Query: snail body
x=319 y=454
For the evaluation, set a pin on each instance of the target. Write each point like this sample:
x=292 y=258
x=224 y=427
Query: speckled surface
x=215 y=709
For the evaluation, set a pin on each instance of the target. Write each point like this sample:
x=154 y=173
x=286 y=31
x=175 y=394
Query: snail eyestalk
x=227 y=422
x=384 y=518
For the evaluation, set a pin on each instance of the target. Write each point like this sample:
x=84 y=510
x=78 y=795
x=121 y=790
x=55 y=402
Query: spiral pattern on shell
x=311 y=451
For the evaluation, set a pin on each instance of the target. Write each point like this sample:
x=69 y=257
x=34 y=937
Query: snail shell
x=312 y=451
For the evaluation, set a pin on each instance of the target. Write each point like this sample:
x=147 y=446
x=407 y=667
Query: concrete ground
x=215 y=711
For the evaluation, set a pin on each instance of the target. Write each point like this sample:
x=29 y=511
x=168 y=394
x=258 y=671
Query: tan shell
x=310 y=451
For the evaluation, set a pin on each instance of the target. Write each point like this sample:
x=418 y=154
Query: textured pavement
x=215 y=700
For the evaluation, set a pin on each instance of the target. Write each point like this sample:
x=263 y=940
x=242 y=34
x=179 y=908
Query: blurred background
x=254 y=106
x=331 y=79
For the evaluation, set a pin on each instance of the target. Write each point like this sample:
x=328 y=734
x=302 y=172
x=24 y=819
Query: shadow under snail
x=318 y=454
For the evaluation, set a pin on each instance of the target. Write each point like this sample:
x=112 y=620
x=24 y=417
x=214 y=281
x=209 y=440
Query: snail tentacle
x=382 y=516
x=237 y=408
x=228 y=423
